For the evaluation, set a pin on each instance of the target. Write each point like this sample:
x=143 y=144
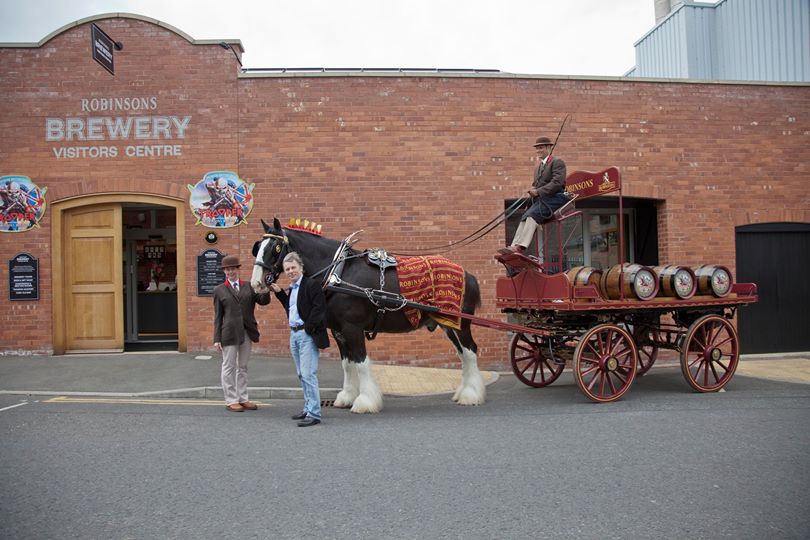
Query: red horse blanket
x=434 y=281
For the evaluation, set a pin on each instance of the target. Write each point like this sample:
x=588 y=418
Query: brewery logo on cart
x=221 y=199
x=22 y=203
x=607 y=184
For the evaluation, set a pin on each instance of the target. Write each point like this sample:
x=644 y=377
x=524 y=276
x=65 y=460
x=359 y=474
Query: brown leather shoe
x=235 y=407
x=249 y=406
x=511 y=249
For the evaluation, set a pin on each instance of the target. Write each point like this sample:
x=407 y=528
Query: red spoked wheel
x=529 y=364
x=710 y=353
x=605 y=363
x=646 y=339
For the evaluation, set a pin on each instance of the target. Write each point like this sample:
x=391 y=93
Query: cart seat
x=564 y=210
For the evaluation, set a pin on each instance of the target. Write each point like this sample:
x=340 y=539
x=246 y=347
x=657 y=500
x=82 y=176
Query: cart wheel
x=605 y=363
x=529 y=364
x=646 y=343
x=710 y=353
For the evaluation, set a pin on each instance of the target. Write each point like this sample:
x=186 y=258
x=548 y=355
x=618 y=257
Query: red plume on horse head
x=304 y=225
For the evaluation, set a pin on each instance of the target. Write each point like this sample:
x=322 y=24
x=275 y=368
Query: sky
x=538 y=37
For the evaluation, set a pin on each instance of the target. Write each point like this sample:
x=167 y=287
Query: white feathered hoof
x=470 y=395
x=344 y=399
x=365 y=404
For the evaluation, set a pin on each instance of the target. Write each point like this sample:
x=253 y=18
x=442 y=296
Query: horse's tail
x=472 y=294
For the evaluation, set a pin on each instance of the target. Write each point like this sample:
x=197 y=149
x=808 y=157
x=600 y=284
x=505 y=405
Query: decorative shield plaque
x=221 y=199
x=22 y=203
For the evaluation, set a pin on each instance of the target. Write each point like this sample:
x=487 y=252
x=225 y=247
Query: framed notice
x=209 y=273
x=23 y=277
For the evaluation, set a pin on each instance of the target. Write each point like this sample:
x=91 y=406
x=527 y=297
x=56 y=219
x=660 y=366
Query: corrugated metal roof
x=752 y=40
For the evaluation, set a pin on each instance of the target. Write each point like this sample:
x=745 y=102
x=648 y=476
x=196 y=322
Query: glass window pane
x=571 y=236
x=603 y=238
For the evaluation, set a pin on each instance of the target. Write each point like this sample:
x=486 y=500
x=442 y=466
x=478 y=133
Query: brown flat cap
x=543 y=141
x=230 y=261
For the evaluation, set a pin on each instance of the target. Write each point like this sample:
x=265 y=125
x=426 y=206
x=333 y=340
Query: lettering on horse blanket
x=434 y=281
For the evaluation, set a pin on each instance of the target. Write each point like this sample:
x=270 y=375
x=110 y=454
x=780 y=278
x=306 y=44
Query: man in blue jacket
x=305 y=305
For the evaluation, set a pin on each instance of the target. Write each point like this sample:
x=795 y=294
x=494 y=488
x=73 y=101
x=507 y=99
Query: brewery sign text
x=109 y=127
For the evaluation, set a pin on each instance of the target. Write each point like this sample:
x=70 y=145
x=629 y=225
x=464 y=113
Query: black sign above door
x=23 y=277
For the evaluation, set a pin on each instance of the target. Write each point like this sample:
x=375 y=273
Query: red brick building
x=413 y=158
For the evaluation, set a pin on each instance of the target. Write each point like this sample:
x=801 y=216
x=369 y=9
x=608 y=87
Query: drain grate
x=327 y=403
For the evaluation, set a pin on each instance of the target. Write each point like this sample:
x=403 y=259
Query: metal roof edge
x=122 y=15
x=501 y=75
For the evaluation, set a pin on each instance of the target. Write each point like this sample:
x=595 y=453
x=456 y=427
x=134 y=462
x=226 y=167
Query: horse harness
x=378 y=297
x=376 y=257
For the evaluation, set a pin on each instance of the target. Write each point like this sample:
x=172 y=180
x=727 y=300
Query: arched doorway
x=96 y=270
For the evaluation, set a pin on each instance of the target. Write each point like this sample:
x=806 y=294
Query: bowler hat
x=543 y=141
x=230 y=261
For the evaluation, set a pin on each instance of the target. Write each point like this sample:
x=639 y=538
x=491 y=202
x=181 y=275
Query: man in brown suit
x=235 y=330
x=547 y=193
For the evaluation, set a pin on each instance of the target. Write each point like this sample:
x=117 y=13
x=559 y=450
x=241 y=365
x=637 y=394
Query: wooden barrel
x=581 y=276
x=637 y=281
x=713 y=279
x=676 y=281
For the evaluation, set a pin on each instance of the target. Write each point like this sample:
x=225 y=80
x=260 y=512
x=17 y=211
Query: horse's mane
x=306 y=236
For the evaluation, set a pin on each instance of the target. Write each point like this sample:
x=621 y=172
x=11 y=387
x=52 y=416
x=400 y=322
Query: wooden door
x=776 y=257
x=94 y=296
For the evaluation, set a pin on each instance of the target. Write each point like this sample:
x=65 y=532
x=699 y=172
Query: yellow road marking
x=137 y=401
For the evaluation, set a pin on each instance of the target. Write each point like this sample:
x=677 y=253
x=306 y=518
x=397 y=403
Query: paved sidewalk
x=789 y=367
x=196 y=375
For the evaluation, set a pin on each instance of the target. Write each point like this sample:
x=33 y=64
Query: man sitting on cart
x=548 y=194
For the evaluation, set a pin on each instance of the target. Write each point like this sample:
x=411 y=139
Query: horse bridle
x=281 y=249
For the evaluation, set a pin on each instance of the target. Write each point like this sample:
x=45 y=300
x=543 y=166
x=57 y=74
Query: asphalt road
x=664 y=462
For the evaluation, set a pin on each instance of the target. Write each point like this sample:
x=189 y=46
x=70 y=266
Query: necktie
x=235 y=285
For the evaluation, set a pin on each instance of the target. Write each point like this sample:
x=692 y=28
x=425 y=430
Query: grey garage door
x=775 y=256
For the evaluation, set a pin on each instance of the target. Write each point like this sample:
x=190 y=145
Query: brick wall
x=421 y=161
x=413 y=160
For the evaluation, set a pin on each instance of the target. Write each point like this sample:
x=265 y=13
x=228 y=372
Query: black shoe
x=308 y=421
x=299 y=416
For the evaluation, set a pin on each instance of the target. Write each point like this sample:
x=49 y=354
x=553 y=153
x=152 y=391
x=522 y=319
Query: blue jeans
x=305 y=355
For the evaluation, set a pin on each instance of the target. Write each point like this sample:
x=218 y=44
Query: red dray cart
x=610 y=328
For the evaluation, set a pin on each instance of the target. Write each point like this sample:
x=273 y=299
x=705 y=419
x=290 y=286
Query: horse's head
x=269 y=252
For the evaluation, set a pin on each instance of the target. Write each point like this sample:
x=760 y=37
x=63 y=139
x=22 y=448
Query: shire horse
x=350 y=317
